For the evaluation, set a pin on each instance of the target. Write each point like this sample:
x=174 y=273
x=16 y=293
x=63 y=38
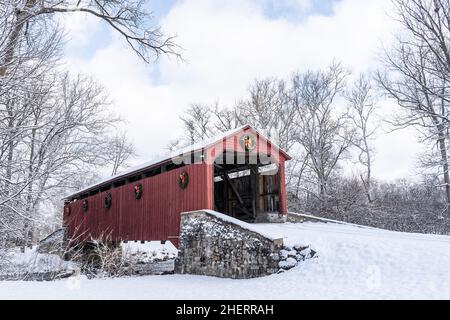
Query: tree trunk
x=21 y=17
x=28 y=223
x=368 y=184
x=367 y=181
x=299 y=180
x=10 y=141
x=445 y=166
x=323 y=194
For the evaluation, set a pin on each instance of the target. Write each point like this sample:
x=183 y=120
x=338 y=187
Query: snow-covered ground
x=15 y=264
x=354 y=263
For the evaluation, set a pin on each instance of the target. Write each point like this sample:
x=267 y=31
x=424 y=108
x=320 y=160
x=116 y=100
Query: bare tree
x=362 y=101
x=269 y=110
x=22 y=91
x=54 y=126
x=198 y=123
x=418 y=74
x=324 y=132
x=201 y=121
x=261 y=106
x=226 y=119
x=118 y=151
x=62 y=134
x=129 y=18
x=296 y=170
x=427 y=23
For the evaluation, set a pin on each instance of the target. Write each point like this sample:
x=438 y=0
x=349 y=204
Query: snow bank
x=33 y=265
x=354 y=263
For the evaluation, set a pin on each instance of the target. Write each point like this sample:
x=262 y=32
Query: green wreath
x=85 y=205
x=107 y=200
x=138 y=191
x=248 y=142
x=183 y=180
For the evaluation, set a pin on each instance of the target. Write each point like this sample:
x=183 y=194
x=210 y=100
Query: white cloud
x=304 y=4
x=227 y=44
x=295 y=7
x=79 y=28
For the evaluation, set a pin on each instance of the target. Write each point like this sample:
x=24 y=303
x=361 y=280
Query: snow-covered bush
x=32 y=265
x=103 y=259
x=109 y=259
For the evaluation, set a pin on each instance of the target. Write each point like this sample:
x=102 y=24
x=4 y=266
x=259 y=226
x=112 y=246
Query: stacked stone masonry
x=213 y=246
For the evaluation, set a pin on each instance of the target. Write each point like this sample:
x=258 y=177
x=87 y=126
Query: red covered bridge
x=239 y=173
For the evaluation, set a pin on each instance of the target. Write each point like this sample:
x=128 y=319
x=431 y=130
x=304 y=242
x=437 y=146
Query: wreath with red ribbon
x=248 y=142
x=85 y=205
x=107 y=201
x=183 y=180
x=137 y=191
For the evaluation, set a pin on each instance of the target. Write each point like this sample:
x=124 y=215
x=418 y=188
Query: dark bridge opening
x=246 y=186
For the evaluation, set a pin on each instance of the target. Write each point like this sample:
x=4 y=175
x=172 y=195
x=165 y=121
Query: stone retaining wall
x=210 y=245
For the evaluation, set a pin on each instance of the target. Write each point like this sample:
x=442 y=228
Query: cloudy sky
x=226 y=45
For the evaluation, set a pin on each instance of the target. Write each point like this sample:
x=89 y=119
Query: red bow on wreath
x=183 y=180
x=248 y=143
x=138 y=191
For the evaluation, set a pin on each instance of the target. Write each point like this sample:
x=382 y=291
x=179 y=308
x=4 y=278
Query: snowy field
x=354 y=263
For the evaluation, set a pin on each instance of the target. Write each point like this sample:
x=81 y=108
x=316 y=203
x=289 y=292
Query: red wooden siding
x=155 y=216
